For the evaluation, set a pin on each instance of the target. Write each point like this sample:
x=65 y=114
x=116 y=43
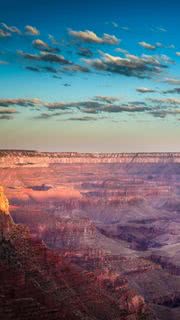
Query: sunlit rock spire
x=6 y=222
x=4 y=203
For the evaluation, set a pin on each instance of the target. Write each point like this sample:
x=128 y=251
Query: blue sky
x=90 y=76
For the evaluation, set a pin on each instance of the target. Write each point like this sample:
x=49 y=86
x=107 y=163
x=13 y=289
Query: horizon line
x=90 y=152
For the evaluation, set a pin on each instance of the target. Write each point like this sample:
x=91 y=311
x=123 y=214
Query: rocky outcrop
x=70 y=233
x=4 y=203
x=6 y=222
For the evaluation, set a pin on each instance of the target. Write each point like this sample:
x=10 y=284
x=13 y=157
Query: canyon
x=96 y=236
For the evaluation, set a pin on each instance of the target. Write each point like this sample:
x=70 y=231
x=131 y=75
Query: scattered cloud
x=91 y=37
x=43 y=46
x=163 y=113
x=7 y=111
x=49 y=69
x=164 y=58
x=95 y=108
x=145 y=90
x=67 y=85
x=124 y=108
x=6 y=117
x=42 y=69
x=76 y=68
x=53 y=40
x=121 y=50
x=46 y=116
x=106 y=99
x=46 y=57
x=125 y=28
x=172 y=81
x=98 y=104
x=57 y=77
x=3 y=62
x=85 y=52
x=158 y=29
x=30 y=30
x=115 y=24
x=20 y=102
x=168 y=101
x=34 y=69
x=171 y=46
x=131 y=65
x=175 y=91
x=82 y=119
x=147 y=45
x=4 y=34
x=10 y=29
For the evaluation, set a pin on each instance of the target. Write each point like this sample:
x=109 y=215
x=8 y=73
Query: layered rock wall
x=10 y=158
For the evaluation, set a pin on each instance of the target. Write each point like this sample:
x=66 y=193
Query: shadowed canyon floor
x=112 y=223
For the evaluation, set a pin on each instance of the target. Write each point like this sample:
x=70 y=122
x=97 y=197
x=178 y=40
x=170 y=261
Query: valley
x=115 y=218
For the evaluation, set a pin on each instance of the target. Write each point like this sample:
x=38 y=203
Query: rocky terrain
x=113 y=219
x=39 y=283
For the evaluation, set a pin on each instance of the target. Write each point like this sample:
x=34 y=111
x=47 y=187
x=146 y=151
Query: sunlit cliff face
x=4 y=203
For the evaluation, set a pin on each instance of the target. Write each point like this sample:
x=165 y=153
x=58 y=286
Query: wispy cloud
x=6 y=117
x=145 y=90
x=85 y=52
x=20 y=102
x=86 y=118
x=106 y=99
x=4 y=34
x=46 y=57
x=53 y=40
x=76 y=68
x=95 y=108
x=50 y=115
x=147 y=45
x=34 y=69
x=10 y=29
x=175 y=91
x=167 y=101
x=158 y=29
x=7 y=111
x=172 y=81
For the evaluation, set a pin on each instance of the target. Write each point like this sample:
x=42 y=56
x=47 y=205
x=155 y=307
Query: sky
x=90 y=76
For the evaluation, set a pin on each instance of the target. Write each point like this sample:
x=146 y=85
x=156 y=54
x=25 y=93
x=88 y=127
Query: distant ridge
x=89 y=153
x=32 y=158
x=17 y=150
